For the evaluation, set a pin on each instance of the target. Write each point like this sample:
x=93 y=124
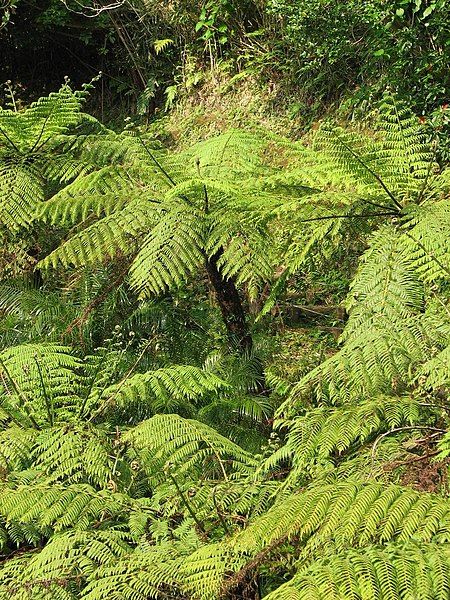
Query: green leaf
x=427 y=12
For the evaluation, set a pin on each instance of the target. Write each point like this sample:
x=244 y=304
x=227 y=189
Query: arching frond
x=386 y=286
x=184 y=445
x=24 y=137
x=426 y=240
x=324 y=433
x=171 y=252
x=52 y=506
x=66 y=560
x=16 y=444
x=350 y=514
x=164 y=389
x=36 y=377
x=20 y=192
x=393 y=572
x=72 y=454
x=141 y=576
x=104 y=238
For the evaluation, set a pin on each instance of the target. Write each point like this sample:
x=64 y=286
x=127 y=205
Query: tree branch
x=93 y=11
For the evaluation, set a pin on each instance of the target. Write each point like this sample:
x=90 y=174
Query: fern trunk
x=230 y=304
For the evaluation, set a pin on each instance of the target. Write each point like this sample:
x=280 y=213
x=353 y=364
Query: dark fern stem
x=230 y=304
x=233 y=315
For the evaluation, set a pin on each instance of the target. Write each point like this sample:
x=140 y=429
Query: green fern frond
x=184 y=445
x=242 y=241
x=171 y=252
x=74 y=454
x=349 y=514
x=385 y=286
x=163 y=390
x=16 y=444
x=37 y=313
x=35 y=378
x=51 y=506
x=104 y=238
x=379 y=361
x=234 y=155
x=435 y=373
x=393 y=572
x=322 y=434
x=426 y=240
x=387 y=336
x=20 y=193
x=98 y=193
x=341 y=517
x=67 y=559
x=338 y=517
x=404 y=141
x=26 y=140
x=44 y=119
x=393 y=166
x=141 y=576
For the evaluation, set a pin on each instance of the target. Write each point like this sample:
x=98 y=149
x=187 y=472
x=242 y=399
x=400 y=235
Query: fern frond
x=20 y=193
x=99 y=193
x=51 y=506
x=44 y=119
x=385 y=286
x=184 y=445
x=234 y=155
x=74 y=454
x=104 y=238
x=26 y=140
x=171 y=252
x=36 y=377
x=406 y=148
x=393 y=166
x=16 y=445
x=67 y=559
x=435 y=373
x=387 y=335
x=164 y=389
x=324 y=433
x=338 y=517
x=141 y=576
x=396 y=571
x=242 y=240
x=426 y=240
x=350 y=514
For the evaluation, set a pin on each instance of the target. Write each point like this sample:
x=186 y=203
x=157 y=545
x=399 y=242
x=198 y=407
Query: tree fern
x=388 y=175
x=27 y=139
x=105 y=492
x=388 y=334
x=198 y=212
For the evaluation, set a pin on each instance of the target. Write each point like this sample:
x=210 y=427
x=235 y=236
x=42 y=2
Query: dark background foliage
x=316 y=51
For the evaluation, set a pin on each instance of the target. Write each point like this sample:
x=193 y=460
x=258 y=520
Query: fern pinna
x=125 y=476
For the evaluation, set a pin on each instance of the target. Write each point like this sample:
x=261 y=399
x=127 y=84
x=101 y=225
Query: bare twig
x=92 y=11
